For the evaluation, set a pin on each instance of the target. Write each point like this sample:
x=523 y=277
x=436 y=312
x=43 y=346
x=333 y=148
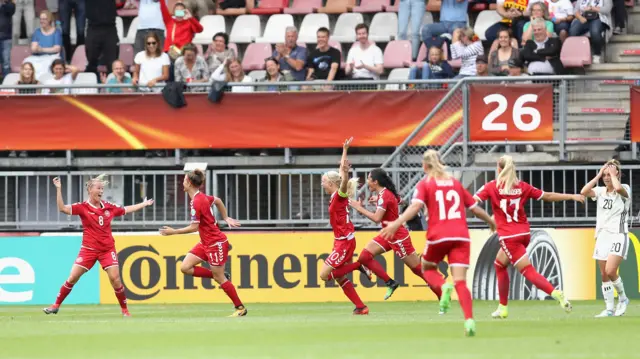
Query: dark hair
x=159 y=46
x=190 y=47
x=57 y=62
x=267 y=76
x=508 y=31
x=180 y=4
x=224 y=36
x=362 y=26
x=196 y=177
x=383 y=178
x=324 y=29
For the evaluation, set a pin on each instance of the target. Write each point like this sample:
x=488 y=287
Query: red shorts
x=515 y=247
x=457 y=252
x=401 y=247
x=342 y=253
x=88 y=257
x=215 y=255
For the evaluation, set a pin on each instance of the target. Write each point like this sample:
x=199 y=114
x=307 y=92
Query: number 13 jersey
x=613 y=210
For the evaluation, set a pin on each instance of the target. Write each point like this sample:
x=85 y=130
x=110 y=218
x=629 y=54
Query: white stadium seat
x=119 y=28
x=397 y=74
x=384 y=27
x=131 y=34
x=257 y=75
x=86 y=78
x=484 y=20
x=275 y=30
x=11 y=79
x=212 y=25
x=245 y=29
x=345 y=29
x=310 y=25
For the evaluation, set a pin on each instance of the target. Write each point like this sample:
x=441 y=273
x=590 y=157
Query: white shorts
x=611 y=243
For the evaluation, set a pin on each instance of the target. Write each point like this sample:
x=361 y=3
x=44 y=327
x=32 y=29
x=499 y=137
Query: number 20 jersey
x=613 y=210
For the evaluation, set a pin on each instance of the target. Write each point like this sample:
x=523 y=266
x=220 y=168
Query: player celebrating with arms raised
x=612 y=233
x=448 y=233
x=98 y=244
x=508 y=195
x=213 y=247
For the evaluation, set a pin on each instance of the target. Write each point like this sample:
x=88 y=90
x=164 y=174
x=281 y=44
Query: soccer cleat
x=564 y=303
x=366 y=271
x=605 y=313
x=622 y=307
x=125 y=313
x=470 y=327
x=361 y=311
x=52 y=309
x=240 y=311
x=227 y=275
x=392 y=285
x=501 y=313
x=445 y=300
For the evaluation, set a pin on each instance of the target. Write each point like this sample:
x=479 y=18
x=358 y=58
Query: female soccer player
x=448 y=233
x=340 y=261
x=98 y=244
x=508 y=196
x=213 y=246
x=386 y=211
x=612 y=228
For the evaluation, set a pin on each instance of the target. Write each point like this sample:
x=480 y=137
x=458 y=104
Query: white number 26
x=519 y=110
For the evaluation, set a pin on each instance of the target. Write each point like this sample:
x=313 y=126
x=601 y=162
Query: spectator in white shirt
x=62 y=75
x=561 y=13
x=364 y=61
x=151 y=65
x=149 y=20
x=231 y=71
x=466 y=46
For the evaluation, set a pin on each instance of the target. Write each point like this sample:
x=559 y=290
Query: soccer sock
x=64 y=292
x=435 y=281
x=537 y=279
x=202 y=272
x=464 y=297
x=122 y=298
x=344 y=270
x=619 y=286
x=607 y=294
x=503 y=282
x=366 y=258
x=350 y=292
x=417 y=270
x=231 y=293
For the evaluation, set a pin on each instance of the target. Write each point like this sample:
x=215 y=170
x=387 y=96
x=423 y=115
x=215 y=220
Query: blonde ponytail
x=507 y=177
x=96 y=180
x=335 y=178
x=431 y=160
x=352 y=186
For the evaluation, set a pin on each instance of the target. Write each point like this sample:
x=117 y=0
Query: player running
x=508 y=196
x=213 y=247
x=386 y=211
x=612 y=233
x=98 y=244
x=448 y=234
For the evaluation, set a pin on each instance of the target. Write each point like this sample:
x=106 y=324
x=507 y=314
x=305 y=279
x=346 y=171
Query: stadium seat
x=212 y=24
x=484 y=20
x=11 y=79
x=86 y=78
x=422 y=53
x=397 y=74
x=257 y=75
x=232 y=45
x=576 y=52
x=397 y=54
x=18 y=54
x=367 y=6
x=235 y=11
x=129 y=12
x=345 y=29
x=427 y=18
x=119 y=28
x=300 y=7
x=337 y=6
x=310 y=25
x=275 y=30
x=478 y=7
x=269 y=7
x=255 y=55
x=131 y=34
x=245 y=29
x=384 y=27
x=79 y=59
x=126 y=54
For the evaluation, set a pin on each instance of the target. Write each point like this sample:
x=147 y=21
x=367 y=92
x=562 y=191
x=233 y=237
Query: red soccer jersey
x=96 y=223
x=508 y=208
x=339 y=217
x=446 y=201
x=389 y=203
x=202 y=213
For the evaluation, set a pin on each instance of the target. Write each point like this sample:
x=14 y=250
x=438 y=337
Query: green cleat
x=470 y=327
x=564 y=303
x=445 y=299
x=501 y=313
x=392 y=285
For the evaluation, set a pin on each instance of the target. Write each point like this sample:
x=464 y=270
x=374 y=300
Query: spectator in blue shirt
x=7 y=8
x=46 y=44
x=453 y=15
x=291 y=57
x=119 y=76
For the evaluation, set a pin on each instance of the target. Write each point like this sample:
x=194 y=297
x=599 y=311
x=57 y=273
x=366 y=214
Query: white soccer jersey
x=613 y=210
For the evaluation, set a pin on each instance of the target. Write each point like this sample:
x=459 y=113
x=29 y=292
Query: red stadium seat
x=371 y=6
x=337 y=6
x=303 y=7
x=269 y=7
x=397 y=54
x=255 y=55
x=18 y=54
x=393 y=8
x=576 y=52
x=79 y=59
x=477 y=7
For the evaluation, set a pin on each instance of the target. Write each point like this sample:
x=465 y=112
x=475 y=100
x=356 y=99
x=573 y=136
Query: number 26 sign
x=522 y=112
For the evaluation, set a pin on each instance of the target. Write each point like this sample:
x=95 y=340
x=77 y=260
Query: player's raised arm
x=223 y=212
x=587 y=190
x=344 y=168
x=64 y=208
x=139 y=206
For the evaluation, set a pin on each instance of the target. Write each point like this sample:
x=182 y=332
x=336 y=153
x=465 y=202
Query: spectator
x=219 y=51
x=119 y=76
x=198 y=8
x=453 y=15
x=149 y=20
x=323 y=62
x=151 y=65
x=515 y=68
x=513 y=17
x=62 y=75
x=434 y=68
x=499 y=58
x=543 y=52
x=274 y=74
x=46 y=44
x=561 y=13
x=482 y=65
x=79 y=11
x=26 y=9
x=538 y=11
x=466 y=46
x=191 y=68
x=415 y=10
x=620 y=17
x=7 y=9
x=592 y=16
x=181 y=28
x=102 y=36
x=27 y=77
x=231 y=71
x=231 y=4
x=364 y=61
x=291 y=57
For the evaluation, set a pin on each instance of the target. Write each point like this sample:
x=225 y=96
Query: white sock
x=620 y=288
x=607 y=293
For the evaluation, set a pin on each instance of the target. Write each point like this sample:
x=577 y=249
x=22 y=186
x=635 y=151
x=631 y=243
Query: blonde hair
x=431 y=160
x=352 y=185
x=96 y=180
x=48 y=14
x=507 y=177
x=616 y=164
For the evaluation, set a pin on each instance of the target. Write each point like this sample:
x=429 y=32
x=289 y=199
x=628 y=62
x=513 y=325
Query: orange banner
x=511 y=112
x=634 y=116
x=261 y=120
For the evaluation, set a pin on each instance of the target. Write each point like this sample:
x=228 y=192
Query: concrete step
x=613 y=69
x=592 y=132
x=591 y=96
x=575 y=123
x=633 y=20
x=615 y=49
x=603 y=108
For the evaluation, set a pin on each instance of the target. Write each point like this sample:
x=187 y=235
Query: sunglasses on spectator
x=151 y=43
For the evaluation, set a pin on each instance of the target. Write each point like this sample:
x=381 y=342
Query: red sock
x=122 y=298
x=344 y=270
x=537 y=279
x=464 y=297
x=435 y=280
x=231 y=293
x=366 y=258
x=417 y=270
x=202 y=272
x=64 y=292
x=503 y=282
x=350 y=292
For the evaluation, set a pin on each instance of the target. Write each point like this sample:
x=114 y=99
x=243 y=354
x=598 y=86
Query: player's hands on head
x=613 y=171
x=167 y=231
x=232 y=222
x=57 y=183
x=603 y=170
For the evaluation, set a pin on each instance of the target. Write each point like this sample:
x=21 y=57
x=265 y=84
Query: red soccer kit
x=401 y=242
x=97 y=239
x=344 y=243
x=447 y=232
x=213 y=246
x=510 y=216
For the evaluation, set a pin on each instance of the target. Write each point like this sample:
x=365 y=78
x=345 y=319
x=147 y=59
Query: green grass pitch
x=328 y=331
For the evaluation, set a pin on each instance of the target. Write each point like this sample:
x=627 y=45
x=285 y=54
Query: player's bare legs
x=367 y=258
x=611 y=280
x=191 y=266
x=229 y=289
x=459 y=274
x=347 y=288
x=531 y=274
x=501 y=264
x=435 y=281
x=74 y=277
x=113 y=273
x=415 y=264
